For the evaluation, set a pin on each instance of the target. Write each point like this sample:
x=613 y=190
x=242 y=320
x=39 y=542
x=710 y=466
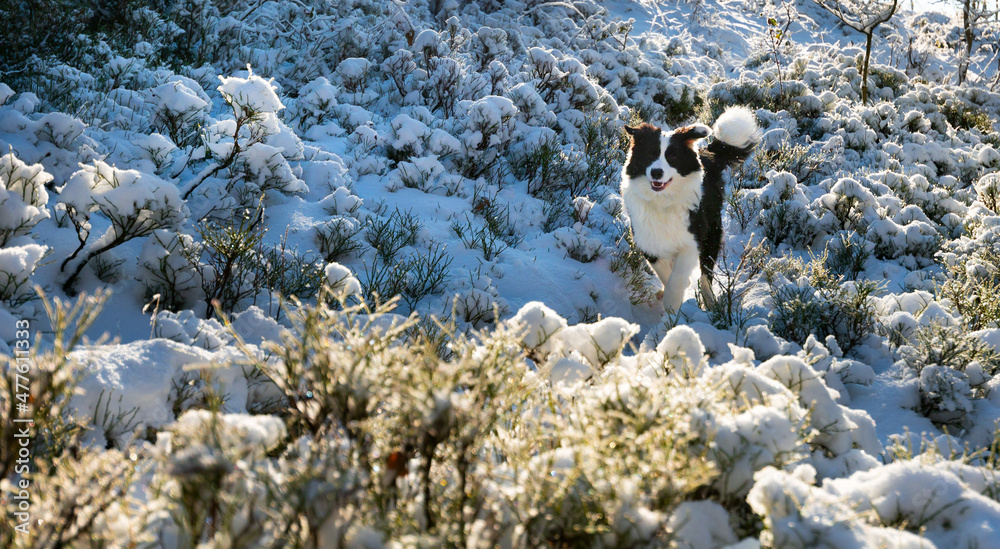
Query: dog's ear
x=644 y=128
x=689 y=134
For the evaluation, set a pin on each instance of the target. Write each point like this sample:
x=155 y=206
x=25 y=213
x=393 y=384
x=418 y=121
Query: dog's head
x=667 y=160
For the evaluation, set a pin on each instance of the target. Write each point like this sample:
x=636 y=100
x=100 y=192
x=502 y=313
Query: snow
x=342 y=280
x=23 y=196
x=499 y=124
x=252 y=94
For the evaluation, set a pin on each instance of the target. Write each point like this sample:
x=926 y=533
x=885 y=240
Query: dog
x=674 y=195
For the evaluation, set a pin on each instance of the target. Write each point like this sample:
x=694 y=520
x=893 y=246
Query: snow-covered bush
x=799 y=160
x=972 y=280
x=135 y=203
x=630 y=264
x=578 y=244
x=254 y=146
x=178 y=108
x=488 y=131
x=899 y=509
x=390 y=233
x=165 y=269
x=338 y=238
x=426 y=174
x=23 y=197
x=807 y=299
x=412 y=278
x=50 y=378
x=17 y=264
x=784 y=212
x=314 y=105
x=477 y=302
x=846 y=254
x=237 y=269
x=988 y=189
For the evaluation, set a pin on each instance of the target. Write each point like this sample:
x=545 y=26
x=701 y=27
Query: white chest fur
x=660 y=220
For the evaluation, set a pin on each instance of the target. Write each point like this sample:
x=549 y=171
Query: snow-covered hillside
x=364 y=278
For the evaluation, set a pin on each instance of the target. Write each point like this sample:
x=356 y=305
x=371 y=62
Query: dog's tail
x=735 y=135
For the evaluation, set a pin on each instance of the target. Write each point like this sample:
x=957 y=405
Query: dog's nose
x=656 y=173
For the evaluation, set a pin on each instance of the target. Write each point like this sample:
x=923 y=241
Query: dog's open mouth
x=660 y=185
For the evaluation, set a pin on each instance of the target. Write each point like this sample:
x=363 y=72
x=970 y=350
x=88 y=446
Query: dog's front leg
x=663 y=267
x=679 y=279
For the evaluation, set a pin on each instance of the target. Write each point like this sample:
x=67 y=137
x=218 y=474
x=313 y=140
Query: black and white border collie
x=674 y=196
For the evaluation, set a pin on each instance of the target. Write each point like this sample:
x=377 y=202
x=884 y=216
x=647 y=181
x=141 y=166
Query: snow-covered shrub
x=135 y=203
x=237 y=269
x=165 y=269
x=578 y=244
x=59 y=129
x=476 y=301
x=261 y=168
x=548 y=167
x=630 y=263
x=945 y=395
x=103 y=479
x=22 y=196
x=442 y=419
x=753 y=94
x=426 y=174
x=412 y=136
x=389 y=234
x=680 y=104
x=443 y=85
x=846 y=254
x=972 y=284
x=784 y=211
x=486 y=45
x=851 y=205
x=489 y=242
x=400 y=67
x=412 y=278
x=733 y=283
x=967 y=117
x=353 y=76
x=988 y=190
x=314 y=105
x=341 y=280
x=801 y=161
x=338 y=238
x=604 y=145
x=17 y=264
x=209 y=472
x=190 y=329
x=937 y=344
x=156 y=148
x=50 y=378
x=178 y=108
x=254 y=146
x=228 y=259
x=807 y=299
x=918 y=239
x=904 y=504
x=487 y=133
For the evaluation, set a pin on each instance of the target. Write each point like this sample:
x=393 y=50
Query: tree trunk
x=963 y=64
x=864 y=68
